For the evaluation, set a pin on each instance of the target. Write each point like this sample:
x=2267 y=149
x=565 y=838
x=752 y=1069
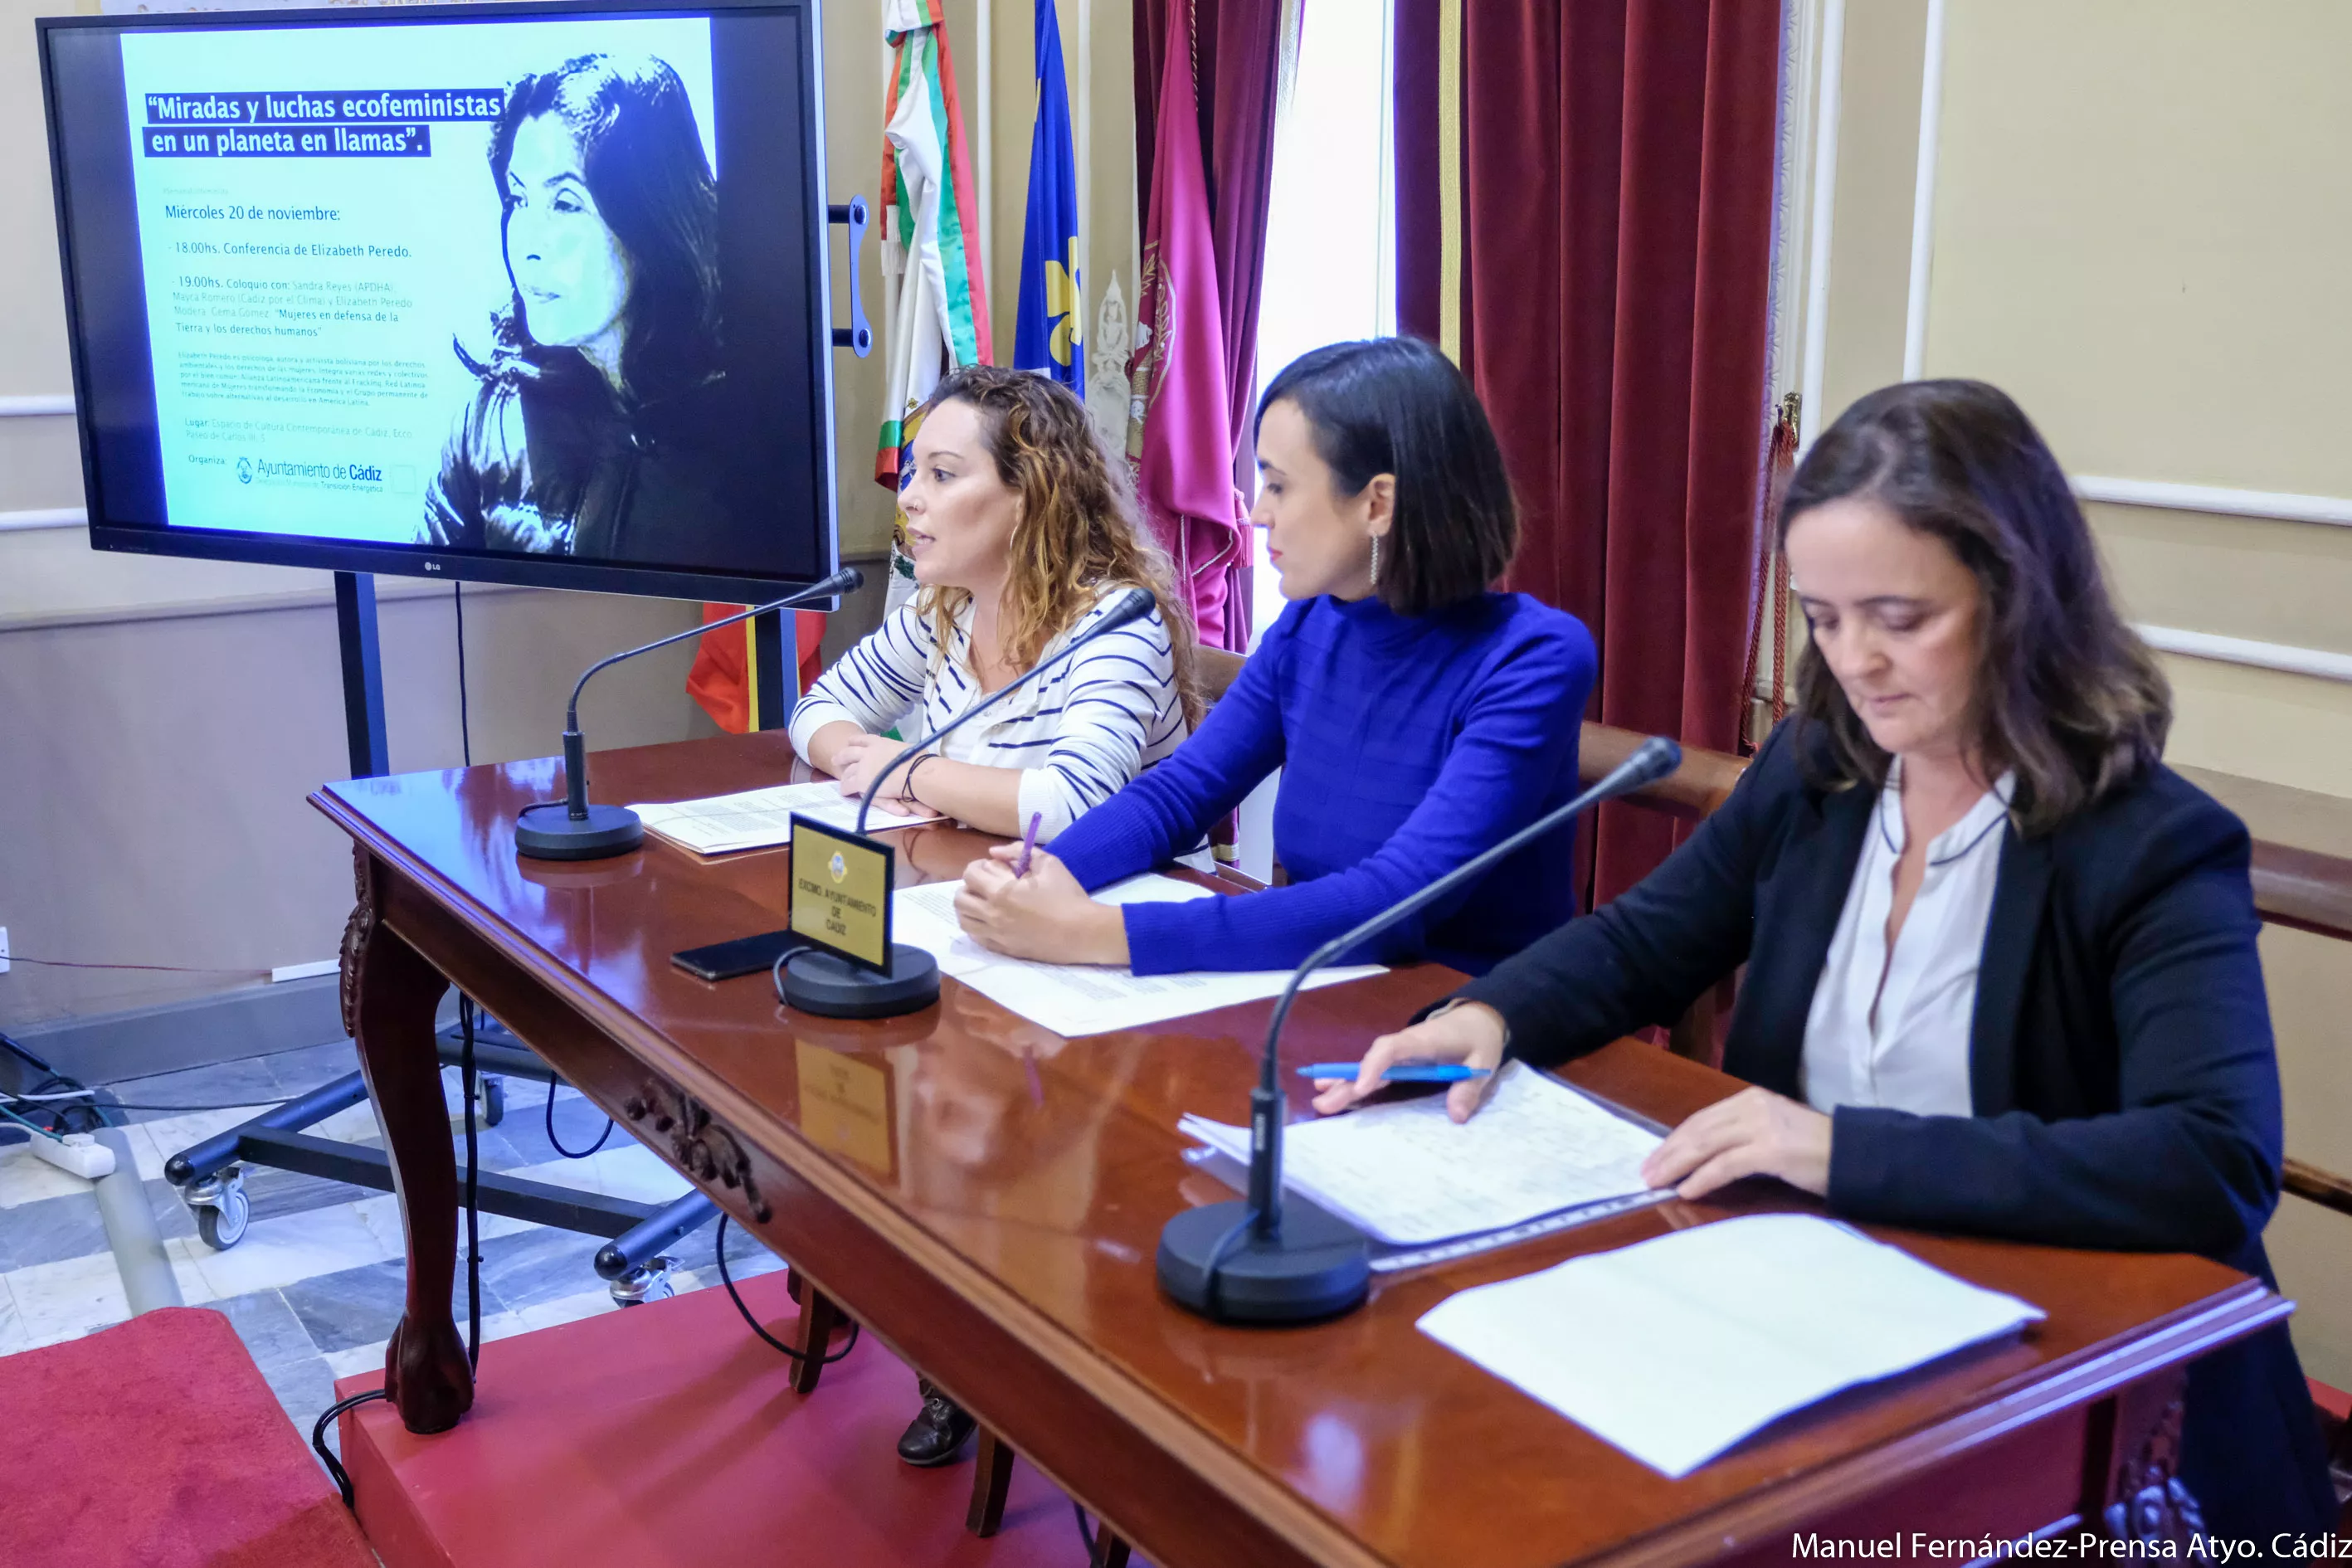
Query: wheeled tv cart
x=210 y=1176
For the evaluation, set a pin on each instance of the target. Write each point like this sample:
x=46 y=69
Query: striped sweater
x=1078 y=733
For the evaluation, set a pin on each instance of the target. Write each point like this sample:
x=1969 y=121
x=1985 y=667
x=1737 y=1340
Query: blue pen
x=1403 y=1072
x=1029 y=844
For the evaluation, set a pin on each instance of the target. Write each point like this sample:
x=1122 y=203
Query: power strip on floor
x=78 y=1154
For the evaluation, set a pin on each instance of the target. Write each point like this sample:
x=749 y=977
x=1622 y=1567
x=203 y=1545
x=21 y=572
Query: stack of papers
x=761 y=818
x=1075 y=999
x=1675 y=1350
x=1405 y=1175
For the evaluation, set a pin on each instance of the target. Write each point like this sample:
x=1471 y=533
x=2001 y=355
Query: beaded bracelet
x=906 y=784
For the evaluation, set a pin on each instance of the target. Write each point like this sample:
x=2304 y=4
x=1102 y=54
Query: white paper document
x=1404 y=1174
x=1675 y=1349
x=761 y=818
x=1075 y=999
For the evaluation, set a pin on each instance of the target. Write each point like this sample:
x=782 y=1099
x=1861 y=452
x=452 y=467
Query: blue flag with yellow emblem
x=1046 y=336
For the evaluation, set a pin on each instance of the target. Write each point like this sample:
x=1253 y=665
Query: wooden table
x=986 y=1198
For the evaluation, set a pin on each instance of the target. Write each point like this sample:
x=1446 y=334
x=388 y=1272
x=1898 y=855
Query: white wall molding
x=2164 y=493
x=43 y=517
x=1922 y=197
x=1792 y=169
x=34 y=404
x=2317 y=662
x=985 y=25
x=1084 y=88
x=1822 y=196
x=389 y=590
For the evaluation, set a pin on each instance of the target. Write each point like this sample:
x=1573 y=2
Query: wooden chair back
x=1690 y=793
x=1214 y=670
x=2309 y=891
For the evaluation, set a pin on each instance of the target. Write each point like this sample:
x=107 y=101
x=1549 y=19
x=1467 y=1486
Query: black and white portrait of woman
x=591 y=430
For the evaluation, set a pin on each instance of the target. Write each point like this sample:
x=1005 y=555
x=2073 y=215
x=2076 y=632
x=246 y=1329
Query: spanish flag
x=725 y=677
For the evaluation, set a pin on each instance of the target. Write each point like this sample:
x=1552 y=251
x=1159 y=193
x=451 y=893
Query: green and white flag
x=935 y=300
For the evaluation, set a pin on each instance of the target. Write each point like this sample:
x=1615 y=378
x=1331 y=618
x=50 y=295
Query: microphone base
x=1317 y=1267
x=548 y=832
x=816 y=982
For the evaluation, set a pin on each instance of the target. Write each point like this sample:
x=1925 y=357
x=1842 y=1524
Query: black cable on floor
x=465 y=718
x=728 y=1279
x=473 y=1195
x=1085 y=1530
x=557 y=1146
x=319 y=1439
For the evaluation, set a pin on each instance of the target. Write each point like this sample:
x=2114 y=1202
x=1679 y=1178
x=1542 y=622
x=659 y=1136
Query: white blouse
x=1892 y=1030
x=1077 y=734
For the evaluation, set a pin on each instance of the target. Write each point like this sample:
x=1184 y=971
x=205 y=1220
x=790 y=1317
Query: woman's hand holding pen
x=1043 y=915
x=1754 y=1134
x=1470 y=1033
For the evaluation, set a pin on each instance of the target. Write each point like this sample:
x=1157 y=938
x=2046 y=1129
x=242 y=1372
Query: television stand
x=209 y=1175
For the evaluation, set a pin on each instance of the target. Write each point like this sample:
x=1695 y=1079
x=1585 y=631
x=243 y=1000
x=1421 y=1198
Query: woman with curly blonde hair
x=1022 y=536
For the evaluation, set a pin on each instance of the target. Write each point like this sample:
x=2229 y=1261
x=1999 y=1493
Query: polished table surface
x=987 y=1197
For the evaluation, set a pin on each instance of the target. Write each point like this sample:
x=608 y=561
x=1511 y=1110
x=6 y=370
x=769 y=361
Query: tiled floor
x=317 y=1281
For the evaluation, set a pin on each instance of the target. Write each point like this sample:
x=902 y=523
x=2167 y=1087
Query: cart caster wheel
x=222 y=1209
x=489 y=1101
x=650 y=1283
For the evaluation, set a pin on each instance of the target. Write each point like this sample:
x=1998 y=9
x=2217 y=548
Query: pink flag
x=1179 y=434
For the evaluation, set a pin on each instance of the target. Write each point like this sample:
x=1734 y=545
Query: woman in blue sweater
x=1417 y=717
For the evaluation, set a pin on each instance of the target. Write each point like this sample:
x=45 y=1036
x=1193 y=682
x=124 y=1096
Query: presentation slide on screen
x=325 y=253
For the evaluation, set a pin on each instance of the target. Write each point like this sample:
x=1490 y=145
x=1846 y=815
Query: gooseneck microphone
x=1131 y=605
x=572 y=829
x=1243 y=1261
x=815 y=980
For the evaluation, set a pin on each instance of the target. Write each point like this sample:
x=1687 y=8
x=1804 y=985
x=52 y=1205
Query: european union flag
x=1047 y=336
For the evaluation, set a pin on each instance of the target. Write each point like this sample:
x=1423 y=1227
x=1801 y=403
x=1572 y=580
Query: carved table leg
x=2134 y=1487
x=389 y=995
x=992 y=1483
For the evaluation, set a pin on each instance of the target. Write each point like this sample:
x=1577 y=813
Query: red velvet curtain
x=1238 y=51
x=1616 y=161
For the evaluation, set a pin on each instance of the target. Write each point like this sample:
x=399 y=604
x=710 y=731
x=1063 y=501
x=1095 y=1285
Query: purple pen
x=1029 y=844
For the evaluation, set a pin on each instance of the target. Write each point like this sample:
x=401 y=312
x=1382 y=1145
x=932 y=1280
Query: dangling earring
x=1376 y=561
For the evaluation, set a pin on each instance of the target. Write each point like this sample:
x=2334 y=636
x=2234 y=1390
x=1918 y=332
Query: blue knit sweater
x=1407 y=745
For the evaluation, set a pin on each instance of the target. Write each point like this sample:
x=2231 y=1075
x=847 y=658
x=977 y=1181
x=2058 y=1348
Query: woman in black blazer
x=2001 y=966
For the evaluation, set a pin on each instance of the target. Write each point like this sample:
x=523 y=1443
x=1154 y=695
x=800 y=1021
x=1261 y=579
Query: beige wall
x=1871 y=242
x=157 y=766
x=2133 y=235
x=2139 y=231
x=40 y=463
x=162 y=720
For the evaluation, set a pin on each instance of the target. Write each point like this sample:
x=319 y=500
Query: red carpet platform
x=668 y=1437
x=157 y=1444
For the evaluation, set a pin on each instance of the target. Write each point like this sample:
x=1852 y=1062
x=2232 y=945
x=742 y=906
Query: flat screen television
x=524 y=293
